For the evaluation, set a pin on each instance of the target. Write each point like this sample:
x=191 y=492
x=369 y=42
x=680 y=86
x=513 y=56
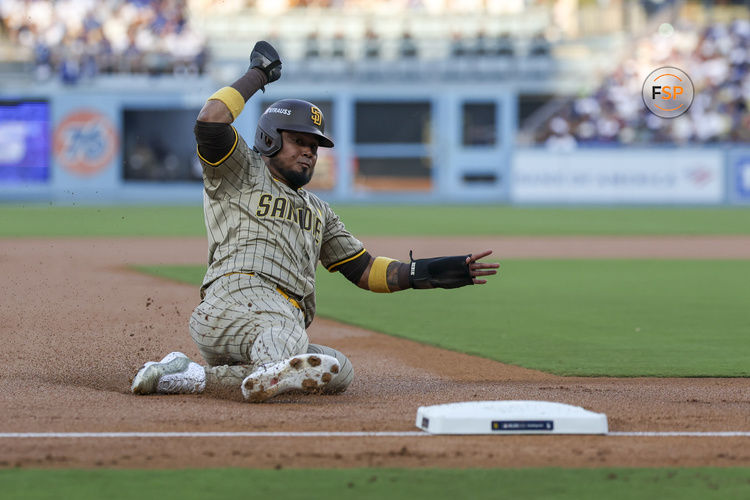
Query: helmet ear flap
x=267 y=142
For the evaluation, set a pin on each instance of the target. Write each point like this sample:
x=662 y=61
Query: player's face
x=295 y=162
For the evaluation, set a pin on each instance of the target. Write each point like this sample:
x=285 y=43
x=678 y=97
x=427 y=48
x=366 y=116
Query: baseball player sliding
x=266 y=235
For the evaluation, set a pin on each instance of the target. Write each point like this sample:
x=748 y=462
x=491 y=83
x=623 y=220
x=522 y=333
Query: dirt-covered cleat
x=174 y=374
x=306 y=372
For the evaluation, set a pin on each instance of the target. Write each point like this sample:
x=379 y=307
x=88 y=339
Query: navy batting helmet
x=289 y=114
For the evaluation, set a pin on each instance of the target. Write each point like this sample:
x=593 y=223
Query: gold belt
x=291 y=300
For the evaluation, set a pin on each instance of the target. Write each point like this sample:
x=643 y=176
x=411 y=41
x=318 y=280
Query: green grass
x=393 y=484
x=39 y=220
x=192 y=275
x=502 y=220
x=22 y=221
x=569 y=317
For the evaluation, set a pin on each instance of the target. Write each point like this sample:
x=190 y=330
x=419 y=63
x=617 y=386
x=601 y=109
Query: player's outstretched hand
x=265 y=58
x=480 y=268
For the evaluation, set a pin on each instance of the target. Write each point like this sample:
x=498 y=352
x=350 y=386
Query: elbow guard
x=215 y=140
x=440 y=272
x=353 y=269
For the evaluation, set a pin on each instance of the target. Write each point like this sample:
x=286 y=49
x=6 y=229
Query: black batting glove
x=440 y=272
x=265 y=58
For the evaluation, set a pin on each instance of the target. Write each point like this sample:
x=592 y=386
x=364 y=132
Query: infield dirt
x=76 y=323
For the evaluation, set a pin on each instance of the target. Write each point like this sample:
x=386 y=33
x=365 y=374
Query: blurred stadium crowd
x=82 y=38
x=717 y=59
x=375 y=6
x=79 y=39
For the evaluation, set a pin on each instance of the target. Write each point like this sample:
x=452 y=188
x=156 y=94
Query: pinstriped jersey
x=257 y=224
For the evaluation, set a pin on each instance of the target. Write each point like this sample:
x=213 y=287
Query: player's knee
x=275 y=344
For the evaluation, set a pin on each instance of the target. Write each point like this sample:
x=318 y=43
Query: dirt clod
x=314 y=361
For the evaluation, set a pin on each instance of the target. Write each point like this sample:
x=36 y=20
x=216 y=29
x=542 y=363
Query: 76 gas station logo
x=668 y=92
x=85 y=142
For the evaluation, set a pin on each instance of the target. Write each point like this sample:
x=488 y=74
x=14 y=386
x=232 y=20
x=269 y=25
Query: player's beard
x=294 y=177
x=298 y=179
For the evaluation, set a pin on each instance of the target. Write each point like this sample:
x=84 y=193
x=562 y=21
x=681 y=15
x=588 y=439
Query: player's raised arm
x=381 y=274
x=227 y=103
x=215 y=136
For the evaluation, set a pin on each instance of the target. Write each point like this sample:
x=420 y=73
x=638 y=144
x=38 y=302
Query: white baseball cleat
x=306 y=372
x=174 y=374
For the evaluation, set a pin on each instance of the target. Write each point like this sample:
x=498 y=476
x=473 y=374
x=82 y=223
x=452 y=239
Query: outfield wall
x=447 y=142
